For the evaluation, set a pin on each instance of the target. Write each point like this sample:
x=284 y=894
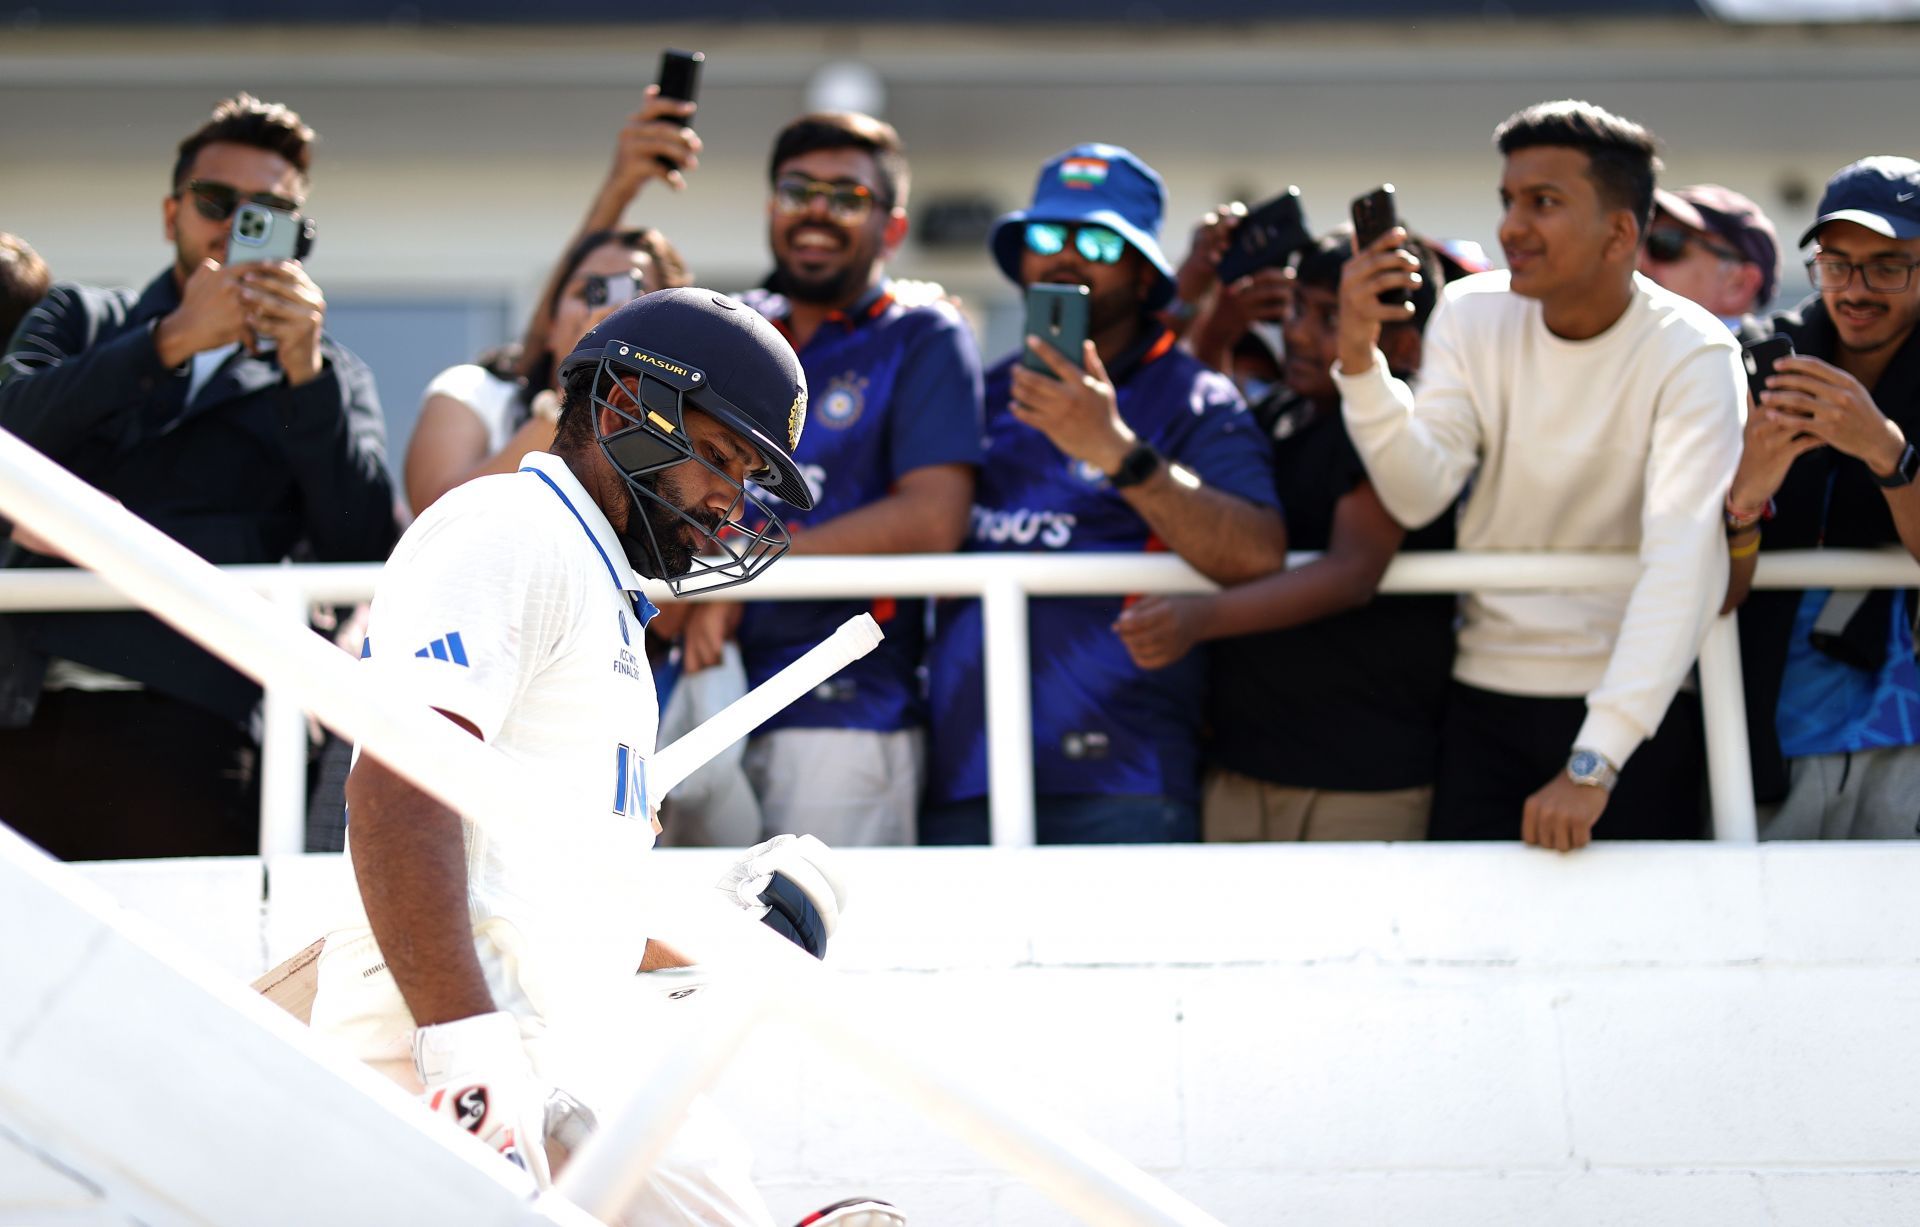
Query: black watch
x=1904 y=469
x=1140 y=463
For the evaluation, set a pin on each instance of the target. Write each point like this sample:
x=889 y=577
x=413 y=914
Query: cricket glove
x=478 y=1075
x=789 y=884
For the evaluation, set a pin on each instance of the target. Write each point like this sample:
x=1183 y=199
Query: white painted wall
x=1419 y=1035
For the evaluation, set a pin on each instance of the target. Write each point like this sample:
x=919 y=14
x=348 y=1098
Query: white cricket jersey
x=510 y=603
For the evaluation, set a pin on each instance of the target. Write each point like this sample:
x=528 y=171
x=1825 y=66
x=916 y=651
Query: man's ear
x=1625 y=233
x=169 y=211
x=1746 y=283
x=895 y=231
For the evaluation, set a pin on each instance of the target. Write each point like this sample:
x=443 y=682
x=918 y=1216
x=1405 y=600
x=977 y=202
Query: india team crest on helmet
x=845 y=400
x=796 y=419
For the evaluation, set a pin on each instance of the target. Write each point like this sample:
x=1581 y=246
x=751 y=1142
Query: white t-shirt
x=493 y=400
x=1625 y=441
x=510 y=603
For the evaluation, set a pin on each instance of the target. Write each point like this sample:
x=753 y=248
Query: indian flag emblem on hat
x=1083 y=172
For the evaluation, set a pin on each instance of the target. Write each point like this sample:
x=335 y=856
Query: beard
x=664 y=526
x=826 y=289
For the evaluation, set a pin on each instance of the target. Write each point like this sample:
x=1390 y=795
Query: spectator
x=1138 y=447
x=1713 y=245
x=1593 y=410
x=892 y=441
x=1323 y=702
x=168 y=400
x=23 y=282
x=481 y=418
x=1831 y=682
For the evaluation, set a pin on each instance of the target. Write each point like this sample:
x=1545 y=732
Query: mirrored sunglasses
x=1096 y=244
x=217 y=201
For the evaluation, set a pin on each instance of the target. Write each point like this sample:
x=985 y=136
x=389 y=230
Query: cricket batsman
x=513 y=607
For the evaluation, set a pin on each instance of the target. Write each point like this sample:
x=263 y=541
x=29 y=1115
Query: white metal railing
x=1003 y=583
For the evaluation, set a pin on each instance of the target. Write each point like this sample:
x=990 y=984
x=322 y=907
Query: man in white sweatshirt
x=1593 y=410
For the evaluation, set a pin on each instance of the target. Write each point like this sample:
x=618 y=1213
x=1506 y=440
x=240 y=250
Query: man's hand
x=657 y=130
x=211 y=314
x=789 y=883
x=1372 y=271
x=1263 y=295
x=1770 y=442
x=1076 y=409
x=710 y=625
x=477 y=1074
x=1831 y=405
x=1159 y=630
x=1561 y=815
x=284 y=304
x=1196 y=278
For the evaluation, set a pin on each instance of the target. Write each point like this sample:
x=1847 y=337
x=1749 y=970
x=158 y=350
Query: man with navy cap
x=513 y=607
x=1713 y=245
x=1129 y=445
x=1833 y=693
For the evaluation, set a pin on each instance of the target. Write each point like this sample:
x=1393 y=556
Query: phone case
x=263 y=235
x=1057 y=314
x=1373 y=215
x=1759 y=359
x=680 y=74
x=1266 y=237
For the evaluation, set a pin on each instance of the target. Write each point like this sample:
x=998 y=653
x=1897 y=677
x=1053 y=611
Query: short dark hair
x=1622 y=156
x=538 y=367
x=245 y=120
x=847 y=130
x=24 y=281
x=1320 y=267
x=575 y=429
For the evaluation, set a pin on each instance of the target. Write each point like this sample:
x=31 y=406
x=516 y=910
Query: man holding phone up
x=893 y=436
x=213 y=406
x=1829 y=462
x=1594 y=410
x=1126 y=444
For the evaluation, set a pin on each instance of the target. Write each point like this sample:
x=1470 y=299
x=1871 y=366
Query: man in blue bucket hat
x=1125 y=444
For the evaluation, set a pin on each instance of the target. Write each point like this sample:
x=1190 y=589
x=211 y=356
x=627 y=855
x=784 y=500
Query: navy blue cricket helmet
x=674 y=350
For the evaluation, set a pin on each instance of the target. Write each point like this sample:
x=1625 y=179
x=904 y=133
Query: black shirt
x=1351 y=702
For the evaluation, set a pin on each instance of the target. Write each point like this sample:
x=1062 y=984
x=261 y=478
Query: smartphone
x=679 y=78
x=1265 y=237
x=1759 y=359
x=1057 y=314
x=1373 y=215
x=261 y=234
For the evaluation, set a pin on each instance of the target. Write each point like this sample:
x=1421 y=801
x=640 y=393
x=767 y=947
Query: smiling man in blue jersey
x=1140 y=447
x=895 y=415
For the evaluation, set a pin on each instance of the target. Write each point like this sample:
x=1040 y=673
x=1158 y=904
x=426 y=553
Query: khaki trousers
x=1240 y=809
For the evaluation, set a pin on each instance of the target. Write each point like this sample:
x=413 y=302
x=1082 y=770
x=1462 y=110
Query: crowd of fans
x=1590 y=396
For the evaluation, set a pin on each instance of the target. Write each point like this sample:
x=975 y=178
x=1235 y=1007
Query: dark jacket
x=1827 y=500
x=245 y=473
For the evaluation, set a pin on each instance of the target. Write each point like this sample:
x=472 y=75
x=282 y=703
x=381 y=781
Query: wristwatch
x=1140 y=463
x=1904 y=469
x=1590 y=769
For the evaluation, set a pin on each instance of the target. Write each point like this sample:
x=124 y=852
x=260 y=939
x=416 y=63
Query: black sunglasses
x=217 y=201
x=1666 y=244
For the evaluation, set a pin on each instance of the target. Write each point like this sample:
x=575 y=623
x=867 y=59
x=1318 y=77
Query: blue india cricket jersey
x=889 y=389
x=1100 y=724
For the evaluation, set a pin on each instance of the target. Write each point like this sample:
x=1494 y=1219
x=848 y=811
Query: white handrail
x=218 y=612
x=1011 y=577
